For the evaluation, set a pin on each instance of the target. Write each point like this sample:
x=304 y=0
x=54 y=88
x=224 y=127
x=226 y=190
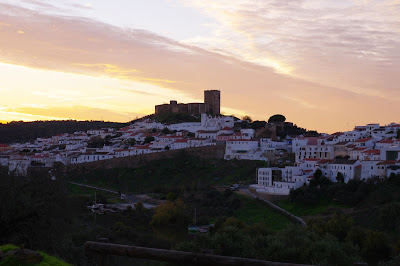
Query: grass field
x=170 y=175
x=47 y=260
x=76 y=190
x=252 y=211
x=299 y=209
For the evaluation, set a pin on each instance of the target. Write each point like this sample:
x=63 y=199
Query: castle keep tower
x=212 y=100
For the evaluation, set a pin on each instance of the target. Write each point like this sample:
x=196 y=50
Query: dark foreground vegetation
x=182 y=173
x=18 y=132
x=51 y=216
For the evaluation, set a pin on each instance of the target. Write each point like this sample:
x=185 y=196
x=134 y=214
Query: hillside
x=18 y=132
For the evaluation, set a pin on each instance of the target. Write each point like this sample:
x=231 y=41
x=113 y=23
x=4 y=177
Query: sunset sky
x=326 y=65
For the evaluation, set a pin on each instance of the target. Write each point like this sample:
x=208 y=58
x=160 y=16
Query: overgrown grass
x=300 y=209
x=47 y=260
x=76 y=190
x=252 y=211
x=170 y=175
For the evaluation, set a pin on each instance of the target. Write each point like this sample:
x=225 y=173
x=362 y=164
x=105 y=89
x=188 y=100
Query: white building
x=209 y=122
x=350 y=169
x=243 y=149
x=315 y=152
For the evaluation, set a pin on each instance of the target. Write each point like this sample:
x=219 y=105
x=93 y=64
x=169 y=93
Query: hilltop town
x=363 y=153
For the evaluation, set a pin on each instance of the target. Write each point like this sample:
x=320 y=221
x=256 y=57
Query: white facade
x=348 y=168
x=315 y=152
x=209 y=122
x=243 y=150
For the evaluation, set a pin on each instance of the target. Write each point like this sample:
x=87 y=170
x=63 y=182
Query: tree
x=317 y=174
x=248 y=118
x=171 y=196
x=139 y=206
x=277 y=119
x=132 y=142
x=398 y=134
x=340 y=177
x=258 y=124
x=376 y=247
x=148 y=139
x=169 y=213
x=166 y=131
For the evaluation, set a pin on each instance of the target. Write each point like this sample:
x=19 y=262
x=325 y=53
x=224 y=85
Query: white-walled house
x=365 y=142
x=206 y=134
x=197 y=142
x=279 y=181
x=190 y=126
x=356 y=153
x=385 y=143
x=247 y=133
x=243 y=149
x=371 y=127
x=298 y=143
x=371 y=155
x=267 y=144
x=124 y=152
x=179 y=144
x=209 y=122
x=315 y=152
x=393 y=169
x=351 y=136
x=351 y=169
x=371 y=169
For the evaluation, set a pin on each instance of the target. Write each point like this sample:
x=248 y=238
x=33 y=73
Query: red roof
x=147 y=146
x=125 y=129
x=372 y=152
x=4 y=146
x=386 y=141
x=386 y=162
x=363 y=140
x=226 y=128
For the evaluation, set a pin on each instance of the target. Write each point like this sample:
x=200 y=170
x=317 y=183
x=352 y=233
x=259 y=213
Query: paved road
x=246 y=191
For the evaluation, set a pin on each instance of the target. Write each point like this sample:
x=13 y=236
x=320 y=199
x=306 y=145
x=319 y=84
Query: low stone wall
x=209 y=152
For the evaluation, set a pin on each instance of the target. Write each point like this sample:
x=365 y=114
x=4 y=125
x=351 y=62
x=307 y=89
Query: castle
x=211 y=105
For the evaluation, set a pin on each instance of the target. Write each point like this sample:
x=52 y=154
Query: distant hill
x=17 y=132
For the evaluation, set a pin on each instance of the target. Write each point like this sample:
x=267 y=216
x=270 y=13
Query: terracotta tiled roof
x=363 y=140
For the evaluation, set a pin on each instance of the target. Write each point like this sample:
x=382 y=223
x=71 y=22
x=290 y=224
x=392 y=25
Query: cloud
x=350 y=44
x=85 y=46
